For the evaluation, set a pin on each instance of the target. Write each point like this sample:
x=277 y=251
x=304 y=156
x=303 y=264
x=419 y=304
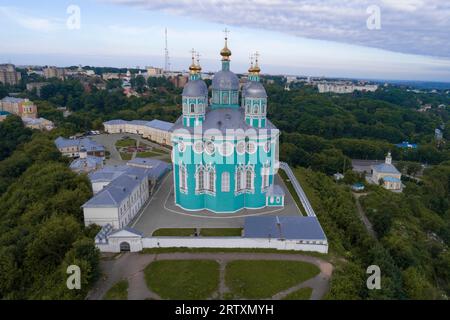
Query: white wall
x=214 y=242
x=101 y=216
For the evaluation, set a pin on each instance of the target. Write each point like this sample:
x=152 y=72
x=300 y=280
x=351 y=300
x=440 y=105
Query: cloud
x=407 y=26
x=27 y=21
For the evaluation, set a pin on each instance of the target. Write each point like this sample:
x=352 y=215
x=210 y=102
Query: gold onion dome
x=225 y=52
x=193 y=68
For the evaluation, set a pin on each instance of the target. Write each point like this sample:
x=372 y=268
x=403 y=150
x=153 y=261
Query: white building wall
x=214 y=242
x=101 y=216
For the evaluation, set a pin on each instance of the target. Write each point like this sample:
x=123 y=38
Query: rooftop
x=284 y=227
x=385 y=168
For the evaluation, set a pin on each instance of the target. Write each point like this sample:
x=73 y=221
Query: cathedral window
x=255 y=109
x=200 y=180
x=225 y=182
x=251 y=147
x=226 y=149
x=198 y=147
x=212 y=181
x=192 y=108
x=225 y=98
x=239 y=180
x=240 y=148
x=267 y=146
x=249 y=179
x=183 y=178
x=210 y=148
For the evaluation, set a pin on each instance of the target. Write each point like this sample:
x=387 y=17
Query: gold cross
x=226 y=31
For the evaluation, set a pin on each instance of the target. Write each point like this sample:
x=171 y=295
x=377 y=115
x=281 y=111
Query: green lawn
x=259 y=279
x=126 y=143
x=148 y=154
x=174 y=232
x=221 y=232
x=300 y=294
x=183 y=279
x=118 y=291
x=126 y=156
x=291 y=190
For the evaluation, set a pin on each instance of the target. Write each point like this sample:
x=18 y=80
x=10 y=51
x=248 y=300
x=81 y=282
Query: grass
x=174 y=232
x=221 y=232
x=126 y=156
x=118 y=291
x=126 y=143
x=148 y=154
x=291 y=189
x=260 y=279
x=300 y=294
x=183 y=279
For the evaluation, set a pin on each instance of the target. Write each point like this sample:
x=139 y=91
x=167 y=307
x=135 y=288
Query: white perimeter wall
x=210 y=242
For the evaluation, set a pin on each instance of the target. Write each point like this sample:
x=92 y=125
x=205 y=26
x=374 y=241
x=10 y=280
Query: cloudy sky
x=377 y=39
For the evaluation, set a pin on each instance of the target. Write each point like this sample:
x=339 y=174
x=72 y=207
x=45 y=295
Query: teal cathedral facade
x=225 y=150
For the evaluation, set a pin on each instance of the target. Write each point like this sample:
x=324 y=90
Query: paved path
x=130 y=266
x=363 y=216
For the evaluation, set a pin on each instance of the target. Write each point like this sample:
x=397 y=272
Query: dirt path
x=363 y=216
x=130 y=266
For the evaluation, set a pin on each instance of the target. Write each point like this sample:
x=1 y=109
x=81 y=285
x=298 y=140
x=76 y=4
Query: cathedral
x=225 y=150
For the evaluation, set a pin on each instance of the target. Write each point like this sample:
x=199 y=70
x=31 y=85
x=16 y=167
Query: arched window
x=200 y=179
x=183 y=178
x=192 y=108
x=225 y=98
x=249 y=179
x=211 y=182
x=255 y=109
x=225 y=182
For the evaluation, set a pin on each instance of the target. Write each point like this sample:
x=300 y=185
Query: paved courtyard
x=161 y=212
x=109 y=142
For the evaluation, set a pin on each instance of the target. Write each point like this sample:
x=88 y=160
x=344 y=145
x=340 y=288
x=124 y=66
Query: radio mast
x=166 y=57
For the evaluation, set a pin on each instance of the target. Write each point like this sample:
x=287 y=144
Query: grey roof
x=107 y=173
x=275 y=190
x=385 y=168
x=225 y=80
x=161 y=125
x=129 y=229
x=157 y=124
x=90 y=162
x=290 y=227
x=195 y=88
x=117 y=121
x=123 y=180
x=12 y=100
x=155 y=168
x=255 y=89
x=83 y=143
x=118 y=190
x=223 y=119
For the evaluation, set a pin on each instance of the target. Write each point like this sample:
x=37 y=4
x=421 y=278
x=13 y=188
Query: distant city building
x=36 y=85
x=425 y=108
x=9 y=75
x=154 y=72
x=438 y=134
x=71 y=147
x=54 y=72
x=23 y=108
x=155 y=130
x=38 y=123
x=179 y=81
x=345 y=87
x=406 y=145
x=110 y=76
x=124 y=192
x=387 y=175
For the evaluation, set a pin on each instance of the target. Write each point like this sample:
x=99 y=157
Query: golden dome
x=225 y=52
x=193 y=68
